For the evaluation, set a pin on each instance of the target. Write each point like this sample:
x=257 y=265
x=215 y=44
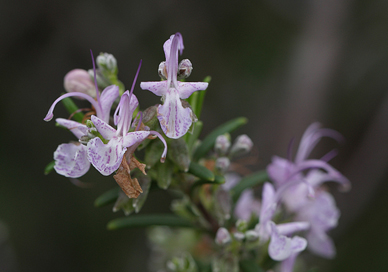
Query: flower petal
x=103 y=128
x=106 y=158
x=246 y=205
x=187 y=88
x=279 y=248
x=157 y=87
x=268 y=204
x=108 y=96
x=71 y=160
x=298 y=244
x=174 y=120
x=290 y=228
x=279 y=170
x=133 y=138
x=78 y=129
x=321 y=244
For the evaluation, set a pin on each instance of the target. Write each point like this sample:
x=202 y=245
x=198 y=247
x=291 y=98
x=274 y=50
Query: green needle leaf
x=71 y=108
x=248 y=182
x=49 y=168
x=209 y=141
x=201 y=171
x=250 y=266
x=200 y=98
x=217 y=180
x=107 y=197
x=149 y=220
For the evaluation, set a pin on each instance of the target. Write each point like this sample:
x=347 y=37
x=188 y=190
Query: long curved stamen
x=163 y=158
x=330 y=155
x=312 y=138
x=50 y=114
x=289 y=149
x=172 y=69
x=95 y=80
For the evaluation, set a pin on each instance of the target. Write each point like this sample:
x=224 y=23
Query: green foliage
x=108 y=197
x=249 y=182
x=149 y=220
x=208 y=142
x=49 y=167
x=72 y=108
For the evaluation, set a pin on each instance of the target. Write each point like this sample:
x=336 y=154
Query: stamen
x=289 y=149
x=163 y=158
x=95 y=80
x=50 y=114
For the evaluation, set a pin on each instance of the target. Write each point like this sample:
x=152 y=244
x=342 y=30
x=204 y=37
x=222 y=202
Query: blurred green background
x=282 y=63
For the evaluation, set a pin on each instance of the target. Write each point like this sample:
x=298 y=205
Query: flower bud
x=184 y=69
x=222 y=164
x=242 y=145
x=107 y=62
x=241 y=225
x=101 y=81
x=222 y=236
x=239 y=236
x=79 y=80
x=162 y=71
x=251 y=235
x=222 y=144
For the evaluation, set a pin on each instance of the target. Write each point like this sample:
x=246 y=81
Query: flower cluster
x=226 y=226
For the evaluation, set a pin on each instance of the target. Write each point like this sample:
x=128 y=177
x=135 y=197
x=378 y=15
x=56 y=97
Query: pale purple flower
x=175 y=120
x=302 y=194
x=222 y=236
x=106 y=158
x=71 y=159
x=282 y=247
x=270 y=199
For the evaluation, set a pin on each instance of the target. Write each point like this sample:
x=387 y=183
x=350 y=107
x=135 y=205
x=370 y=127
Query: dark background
x=281 y=63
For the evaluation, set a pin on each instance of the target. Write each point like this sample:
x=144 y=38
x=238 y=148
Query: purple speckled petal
x=282 y=247
x=71 y=160
x=187 y=88
x=78 y=129
x=157 y=87
x=133 y=138
x=106 y=158
x=298 y=244
x=174 y=120
x=108 y=96
x=103 y=128
x=279 y=248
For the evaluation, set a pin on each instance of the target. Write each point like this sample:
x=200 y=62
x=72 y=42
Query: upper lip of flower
x=102 y=105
